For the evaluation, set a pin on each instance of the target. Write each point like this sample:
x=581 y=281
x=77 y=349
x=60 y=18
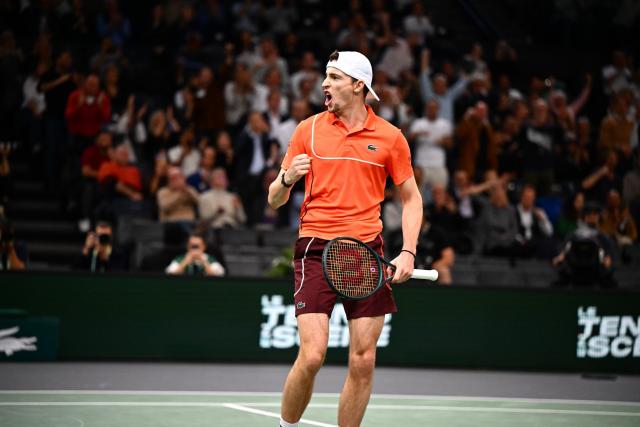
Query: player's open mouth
x=327 y=98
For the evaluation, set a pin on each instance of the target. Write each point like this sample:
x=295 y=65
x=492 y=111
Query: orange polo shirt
x=349 y=169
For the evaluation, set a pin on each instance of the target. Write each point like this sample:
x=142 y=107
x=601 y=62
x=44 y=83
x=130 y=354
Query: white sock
x=283 y=423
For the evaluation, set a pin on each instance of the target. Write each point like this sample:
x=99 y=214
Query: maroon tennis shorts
x=312 y=293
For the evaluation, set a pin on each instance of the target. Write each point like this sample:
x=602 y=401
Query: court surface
x=153 y=394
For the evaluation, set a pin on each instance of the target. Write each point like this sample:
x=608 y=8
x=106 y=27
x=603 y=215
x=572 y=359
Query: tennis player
x=345 y=155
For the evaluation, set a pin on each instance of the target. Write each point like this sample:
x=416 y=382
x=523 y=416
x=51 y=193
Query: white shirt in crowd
x=283 y=132
x=429 y=152
x=190 y=163
x=526 y=218
x=30 y=93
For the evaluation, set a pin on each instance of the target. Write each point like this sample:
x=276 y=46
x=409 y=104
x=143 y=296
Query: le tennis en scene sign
x=601 y=336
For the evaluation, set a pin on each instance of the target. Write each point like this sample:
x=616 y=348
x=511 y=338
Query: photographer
x=196 y=262
x=12 y=256
x=99 y=255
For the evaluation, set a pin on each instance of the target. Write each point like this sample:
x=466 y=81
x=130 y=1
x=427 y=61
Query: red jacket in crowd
x=86 y=114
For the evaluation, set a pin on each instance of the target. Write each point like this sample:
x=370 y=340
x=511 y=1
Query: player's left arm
x=411 y=223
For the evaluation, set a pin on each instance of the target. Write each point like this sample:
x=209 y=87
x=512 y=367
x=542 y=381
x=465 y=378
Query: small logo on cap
x=372 y=147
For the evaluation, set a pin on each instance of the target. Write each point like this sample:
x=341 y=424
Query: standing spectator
x=498 y=224
x=534 y=228
x=477 y=150
x=240 y=96
x=225 y=156
x=541 y=145
x=308 y=71
x=91 y=161
x=474 y=60
x=618 y=224
x=118 y=93
x=208 y=111
x=617 y=128
x=568 y=221
x=418 y=23
x=270 y=58
x=255 y=152
x=112 y=24
x=56 y=85
x=439 y=89
x=218 y=207
x=616 y=75
x=274 y=115
x=396 y=55
x=161 y=131
x=88 y=109
x=432 y=135
x=564 y=113
x=177 y=201
x=185 y=155
x=33 y=107
x=10 y=79
x=196 y=262
x=603 y=179
x=100 y=254
x=200 y=179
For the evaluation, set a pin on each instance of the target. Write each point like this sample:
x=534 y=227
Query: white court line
x=277 y=394
x=272 y=414
x=249 y=407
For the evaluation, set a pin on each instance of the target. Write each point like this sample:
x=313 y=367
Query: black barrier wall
x=127 y=317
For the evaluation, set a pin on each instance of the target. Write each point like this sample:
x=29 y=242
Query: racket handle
x=425 y=274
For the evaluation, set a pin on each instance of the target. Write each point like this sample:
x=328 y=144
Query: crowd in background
x=181 y=111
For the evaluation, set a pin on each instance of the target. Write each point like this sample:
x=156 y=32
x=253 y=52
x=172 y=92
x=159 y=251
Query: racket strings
x=352 y=269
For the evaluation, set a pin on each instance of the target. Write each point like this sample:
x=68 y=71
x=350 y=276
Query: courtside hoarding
x=176 y=318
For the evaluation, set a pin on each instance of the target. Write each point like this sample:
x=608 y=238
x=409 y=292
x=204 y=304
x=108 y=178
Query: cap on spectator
x=356 y=65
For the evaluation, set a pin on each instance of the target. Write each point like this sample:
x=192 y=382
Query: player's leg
x=364 y=333
x=314 y=335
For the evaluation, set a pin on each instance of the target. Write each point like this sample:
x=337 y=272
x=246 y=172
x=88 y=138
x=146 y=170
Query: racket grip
x=425 y=274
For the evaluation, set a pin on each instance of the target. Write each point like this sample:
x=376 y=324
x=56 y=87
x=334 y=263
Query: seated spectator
x=99 y=254
x=477 y=150
x=196 y=262
x=218 y=207
x=177 y=201
x=498 y=224
x=13 y=253
x=92 y=160
x=185 y=155
x=120 y=185
x=435 y=252
x=587 y=257
x=618 y=224
x=568 y=221
x=534 y=228
x=432 y=136
x=200 y=179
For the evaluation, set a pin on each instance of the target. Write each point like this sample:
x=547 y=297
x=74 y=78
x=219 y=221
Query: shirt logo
x=300 y=305
x=372 y=147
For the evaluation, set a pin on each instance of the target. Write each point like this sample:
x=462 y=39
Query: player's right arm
x=279 y=193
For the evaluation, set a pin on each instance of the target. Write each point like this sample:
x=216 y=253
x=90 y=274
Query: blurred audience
x=218 y=207
x=177 y=201
x=196 y=261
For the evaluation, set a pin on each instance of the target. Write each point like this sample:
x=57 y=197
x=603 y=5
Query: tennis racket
x=355 y=271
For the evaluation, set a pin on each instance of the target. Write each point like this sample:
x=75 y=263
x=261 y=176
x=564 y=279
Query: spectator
x=177 y=201
x=308 y=71
x=113 y=24
x=443 y=211
x=5 y=173
x=92 y=160
x=57 y=84
x=564 y=114
x=241 y=96
x=436 y=252
x=100 y=254
x=465 y=194
x=418 y=23
x=13 y=254
x=586 y=258
x=534 y=228
x=617 y=128
x=281 y=17
x=268 y=60
x=616 y=75
x=255 y=152
x=225 y=157
x=579 y=156
x=477 y=150
x=274 y=114
x=200 y=179
x=439 y=89
x=208 y=111
x=541 y=145
x=568 y=221
x=113 y=87
x=498 y=225
x=603 y=179
x=431 y=136
x=88 y=109
x=161 y=133
x=33 y=107
x=218 y=207
x=618 y=224
x=396 y=55
x=185 y=155
x=120 y=185
x=196 y=262
x=474 y=60
x=282 y=133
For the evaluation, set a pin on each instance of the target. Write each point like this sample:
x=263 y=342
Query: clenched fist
x=300 y=166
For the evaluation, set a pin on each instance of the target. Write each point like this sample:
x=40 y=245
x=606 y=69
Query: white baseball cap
x=356 y=65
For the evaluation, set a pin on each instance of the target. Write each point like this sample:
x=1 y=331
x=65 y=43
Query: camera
x=104 y=239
